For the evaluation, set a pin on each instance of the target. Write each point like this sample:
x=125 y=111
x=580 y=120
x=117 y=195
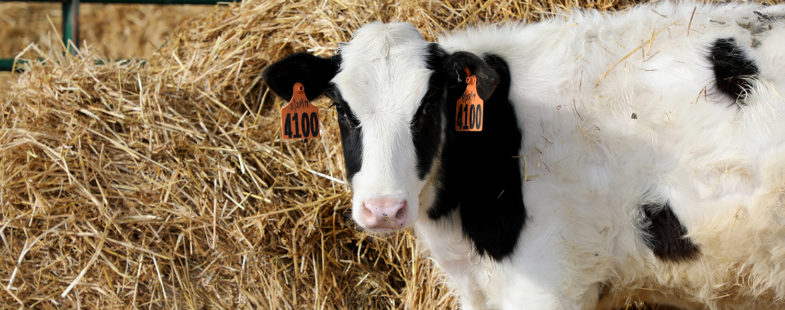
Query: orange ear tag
x=299 y=119
x=470 y=107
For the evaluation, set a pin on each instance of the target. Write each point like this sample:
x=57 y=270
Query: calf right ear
x=487 y=77
x=314 y=72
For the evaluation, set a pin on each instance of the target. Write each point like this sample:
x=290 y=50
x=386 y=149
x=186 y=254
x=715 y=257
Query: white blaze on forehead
x=383 y=78
x=383 y=70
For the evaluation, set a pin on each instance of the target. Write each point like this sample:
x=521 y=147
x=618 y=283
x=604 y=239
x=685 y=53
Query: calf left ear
x=314 y=72
x=454 y=68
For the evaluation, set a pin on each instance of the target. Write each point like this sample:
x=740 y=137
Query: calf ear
x=314 y=72
x=454 y=69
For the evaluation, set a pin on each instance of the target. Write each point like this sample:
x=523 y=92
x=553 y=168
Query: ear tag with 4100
x=299 y=118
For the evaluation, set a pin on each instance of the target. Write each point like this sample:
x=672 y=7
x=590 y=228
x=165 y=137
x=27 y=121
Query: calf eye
x=423 y=113
x=344 y=114
x=428 y=108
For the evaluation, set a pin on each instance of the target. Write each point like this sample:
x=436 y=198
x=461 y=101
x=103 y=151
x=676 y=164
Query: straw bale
x=166 y=184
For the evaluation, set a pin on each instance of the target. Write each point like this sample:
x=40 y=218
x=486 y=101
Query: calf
x=630 y=156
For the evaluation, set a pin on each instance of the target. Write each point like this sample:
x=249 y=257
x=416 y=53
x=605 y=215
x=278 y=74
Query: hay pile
x=166 y=184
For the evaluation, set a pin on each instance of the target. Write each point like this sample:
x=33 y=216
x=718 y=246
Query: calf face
x=391 y=89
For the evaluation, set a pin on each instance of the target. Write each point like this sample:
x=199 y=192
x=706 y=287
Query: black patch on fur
x=732 y=68
x=314 y=72
x=666 y=235
x=351 y=134
x=480 y=172
x=426 y=125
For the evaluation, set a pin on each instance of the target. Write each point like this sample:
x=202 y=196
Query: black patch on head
x=426 y=125
x=732 y=68
x=351 y=134
x=480 y=172
x=666 y=236
x=314 y=72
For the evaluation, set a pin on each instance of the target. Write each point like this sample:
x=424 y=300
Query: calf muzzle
x=383 y=214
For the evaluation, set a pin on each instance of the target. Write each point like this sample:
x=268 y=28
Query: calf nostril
x=401 y=214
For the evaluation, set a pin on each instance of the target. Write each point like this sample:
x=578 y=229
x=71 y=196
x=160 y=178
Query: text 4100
x=301 y=125
x=469 y=117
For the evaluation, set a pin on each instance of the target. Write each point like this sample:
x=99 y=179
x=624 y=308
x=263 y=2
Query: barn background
x=165 y=184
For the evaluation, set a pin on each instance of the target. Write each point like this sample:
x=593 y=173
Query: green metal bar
x=7 y=64
x=164 y=2
x=71 y=25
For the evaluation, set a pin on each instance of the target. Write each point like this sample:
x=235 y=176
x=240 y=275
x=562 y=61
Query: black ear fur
x=487 y=78
x=314 y=72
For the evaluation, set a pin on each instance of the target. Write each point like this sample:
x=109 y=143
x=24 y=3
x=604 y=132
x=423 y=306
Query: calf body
x=631 y=156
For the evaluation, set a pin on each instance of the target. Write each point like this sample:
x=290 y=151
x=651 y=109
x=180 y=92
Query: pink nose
x=383 y=213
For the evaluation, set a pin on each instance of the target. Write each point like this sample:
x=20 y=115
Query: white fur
x=577 y=79
x=383 y=79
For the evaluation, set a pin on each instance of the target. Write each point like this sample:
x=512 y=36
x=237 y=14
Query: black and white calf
x=636 y=155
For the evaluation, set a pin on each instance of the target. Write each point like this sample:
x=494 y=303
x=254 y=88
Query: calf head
x=392 y=91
